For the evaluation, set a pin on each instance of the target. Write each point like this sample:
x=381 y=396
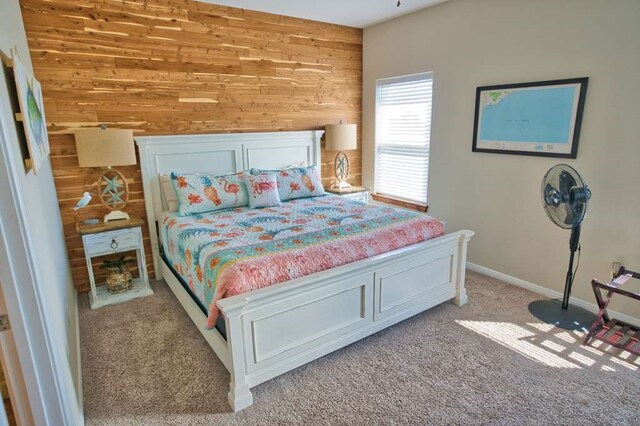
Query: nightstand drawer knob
x=114 y=244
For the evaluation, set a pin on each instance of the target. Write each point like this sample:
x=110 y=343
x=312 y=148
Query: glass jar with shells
x=119 y=279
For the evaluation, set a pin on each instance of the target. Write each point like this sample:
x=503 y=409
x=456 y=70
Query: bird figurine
x=84 y=201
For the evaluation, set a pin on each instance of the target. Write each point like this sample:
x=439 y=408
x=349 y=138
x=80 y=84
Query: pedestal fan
x=565 y=198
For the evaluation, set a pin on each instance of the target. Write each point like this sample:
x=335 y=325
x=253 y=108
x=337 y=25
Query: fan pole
x=573 y=246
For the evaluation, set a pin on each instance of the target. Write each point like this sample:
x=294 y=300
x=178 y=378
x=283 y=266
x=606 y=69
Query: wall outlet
x=615 y=267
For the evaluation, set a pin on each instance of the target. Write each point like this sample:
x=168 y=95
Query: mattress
x=222 y=254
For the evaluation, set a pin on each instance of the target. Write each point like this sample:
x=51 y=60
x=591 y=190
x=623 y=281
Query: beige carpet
x=489 y=362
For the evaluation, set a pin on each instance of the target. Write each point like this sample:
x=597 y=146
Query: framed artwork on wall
x=541 y=118
x=31 y=113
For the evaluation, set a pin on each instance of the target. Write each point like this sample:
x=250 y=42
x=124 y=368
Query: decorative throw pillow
x=263 y=190
x=201 y=193
x=169 y=197
x=299 y=182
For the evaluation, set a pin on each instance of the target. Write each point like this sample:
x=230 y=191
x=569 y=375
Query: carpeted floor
x=489 y=362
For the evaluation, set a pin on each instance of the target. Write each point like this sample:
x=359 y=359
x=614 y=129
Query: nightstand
x=356 y=193
x=110 y=238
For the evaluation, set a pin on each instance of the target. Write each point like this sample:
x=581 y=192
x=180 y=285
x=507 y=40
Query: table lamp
x=102 y=147
x=341 y=137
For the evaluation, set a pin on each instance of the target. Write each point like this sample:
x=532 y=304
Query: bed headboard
x=223 y=153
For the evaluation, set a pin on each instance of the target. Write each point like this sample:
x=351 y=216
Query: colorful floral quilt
x=221 y=254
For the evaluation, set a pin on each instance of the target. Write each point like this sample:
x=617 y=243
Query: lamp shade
x=341 y=137
x=105 y=147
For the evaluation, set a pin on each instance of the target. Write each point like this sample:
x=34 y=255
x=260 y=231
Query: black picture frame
x=541 y=149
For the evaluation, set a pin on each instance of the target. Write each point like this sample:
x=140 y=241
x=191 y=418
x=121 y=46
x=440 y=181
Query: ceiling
x=353 y=13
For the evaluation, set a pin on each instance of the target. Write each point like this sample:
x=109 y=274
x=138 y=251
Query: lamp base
x=341 y=185
x=116 y=215
x=342 y=167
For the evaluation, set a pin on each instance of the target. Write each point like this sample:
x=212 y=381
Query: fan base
x=550 y=311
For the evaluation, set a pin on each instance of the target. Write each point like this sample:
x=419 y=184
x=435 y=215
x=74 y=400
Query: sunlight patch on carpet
x=545 y=344
x=516 y=337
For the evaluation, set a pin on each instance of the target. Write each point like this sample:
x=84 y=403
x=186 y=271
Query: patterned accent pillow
x=299 y=182
x=201 y=193
x=263 y=190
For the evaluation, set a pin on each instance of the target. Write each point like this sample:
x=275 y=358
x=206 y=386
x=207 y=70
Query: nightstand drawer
x=115 y=241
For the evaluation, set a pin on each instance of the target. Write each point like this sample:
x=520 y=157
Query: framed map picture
x=541 y=118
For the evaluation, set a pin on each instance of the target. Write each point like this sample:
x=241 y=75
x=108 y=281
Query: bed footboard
x=279 y=328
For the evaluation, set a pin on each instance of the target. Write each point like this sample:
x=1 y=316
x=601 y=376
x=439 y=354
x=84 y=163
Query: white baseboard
x=552 y=294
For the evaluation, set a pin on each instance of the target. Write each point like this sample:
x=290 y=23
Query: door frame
x=12 y=370
x=51 y=394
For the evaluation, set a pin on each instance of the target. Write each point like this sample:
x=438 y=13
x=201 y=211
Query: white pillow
x=295 y=165
x=168 y=197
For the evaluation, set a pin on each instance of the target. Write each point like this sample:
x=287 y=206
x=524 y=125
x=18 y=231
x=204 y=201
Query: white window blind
x=403 y=128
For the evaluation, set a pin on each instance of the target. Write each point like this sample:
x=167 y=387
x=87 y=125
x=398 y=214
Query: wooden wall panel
x=180 y=66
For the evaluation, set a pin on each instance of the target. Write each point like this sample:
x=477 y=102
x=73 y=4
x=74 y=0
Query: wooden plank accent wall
x=178 y=67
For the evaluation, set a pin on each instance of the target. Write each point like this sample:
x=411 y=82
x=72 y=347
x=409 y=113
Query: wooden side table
x=356 y=193
x=110 y=238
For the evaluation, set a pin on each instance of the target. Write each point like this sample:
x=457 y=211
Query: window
x=403 y=128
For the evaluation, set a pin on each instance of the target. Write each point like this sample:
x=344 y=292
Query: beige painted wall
x=51 y=286
x=469 y=43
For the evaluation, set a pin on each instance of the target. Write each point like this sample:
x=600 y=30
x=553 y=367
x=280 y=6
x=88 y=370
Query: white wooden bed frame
x=278 y=328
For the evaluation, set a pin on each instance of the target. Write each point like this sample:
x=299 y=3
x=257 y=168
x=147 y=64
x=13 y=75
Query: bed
x=272 y=289
x=222 y=254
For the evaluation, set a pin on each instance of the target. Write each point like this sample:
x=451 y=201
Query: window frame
x=396 y=80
